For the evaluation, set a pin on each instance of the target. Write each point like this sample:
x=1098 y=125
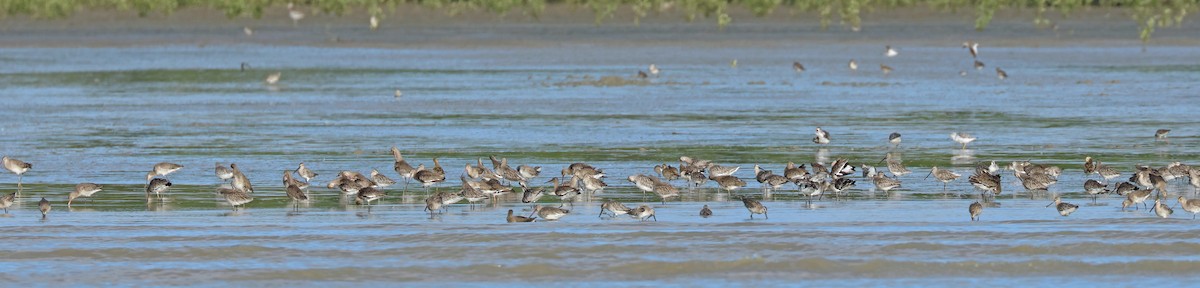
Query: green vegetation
x=1149 y=14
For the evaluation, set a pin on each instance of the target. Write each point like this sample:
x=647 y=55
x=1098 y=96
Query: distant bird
x=295 y=194
x=398 y=94
x=157 y=186
x=884 y=183
x=853 y=65
x=962 y=138
x=381 y=181
x=83 y=190
x=305 y=173
x=368 y=194
x=1163 y=211
x=894 y=138
x=248 y=31
x=296 y=15
x=1161 y=134
x=973 y=48
x=642 y=75
x=975 y=209
x=517 y=218
x=374 y=23
x=402 y=167
x=1064 y=208
x=44 y=206
x=613 y=208
x=733 y=64
x=163 y=169
x=7 y=200
x=550 y=213
x=273 y=78
x=643 y=212
x=798 y=67
x=822 y=136
x=1001 y=74
x=705 y=212
x=17 y=167
x=979 y=65
x=890 y=52
x=755 y=207
x=653 y=70
x=223 y=172
x=235 y=197
x=1190 y=205
x=1089 y=166
x=886 y=69
x=943 y=175
x=245 y=66
x=1094 y=188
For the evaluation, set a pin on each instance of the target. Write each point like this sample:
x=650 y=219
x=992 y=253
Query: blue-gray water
x=106 y=113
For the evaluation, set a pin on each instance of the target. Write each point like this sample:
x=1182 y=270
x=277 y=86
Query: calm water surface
x=106 y=115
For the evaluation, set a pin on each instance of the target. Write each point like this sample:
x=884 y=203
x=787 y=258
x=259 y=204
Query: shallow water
x=106 y=114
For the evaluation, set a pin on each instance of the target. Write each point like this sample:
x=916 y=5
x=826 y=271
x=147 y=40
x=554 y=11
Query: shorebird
x=973 y=48
x=962 y=138
x=975 y=209
x=83 y=190
x=517 y=218
x=508 y=173
x=979 y=65
x=841 y=168
x=895 y=165
x=429 y=177
x=729 y=183
x=643 y=212
x=1194 y=178
x=273 y=78
x=296 y=15
x=1161 y=134
x=17 y=167
x=402 y=167
x=296 y=195
x=754 y=207
x=381 y=181
x=884 y=183
x=223 y=172
x=288 y=180
x=44 y=206
x=1163 y=211
x=642 y=182
x=1139 y=197
x=530 y=195
x=1125 y=188
x=235 y=197
x=822 y=136
x=374 y=22
x=853 y=65
x=890 y=52
x=1190 y=205
x=614 y=208
x=665 y=190
x=550 y=213
x=943 y=175
x=894 y=138
x=1094 y=188
x=368 y=194
x=1064 y=208
x=885 y=69
x=305 y=173
x=798 y=67
x=653 y=70
x=642 y=75
x=157 y=186
x=7 y=200
x=1089 y=166
x=240 y=181
x=1001 y=74
x=1036 y=182
x=667 y=172
x=470 y=193
x=1107 y=172
x=704 y=212
x=474 y=172
x=162 y=169
x=564 y=191
x=528 y=172
x=986 y=181
x=592 y=184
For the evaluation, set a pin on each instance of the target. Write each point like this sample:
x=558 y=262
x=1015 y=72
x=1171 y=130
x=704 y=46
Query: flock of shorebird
x=480 y=183
x=888 y=51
